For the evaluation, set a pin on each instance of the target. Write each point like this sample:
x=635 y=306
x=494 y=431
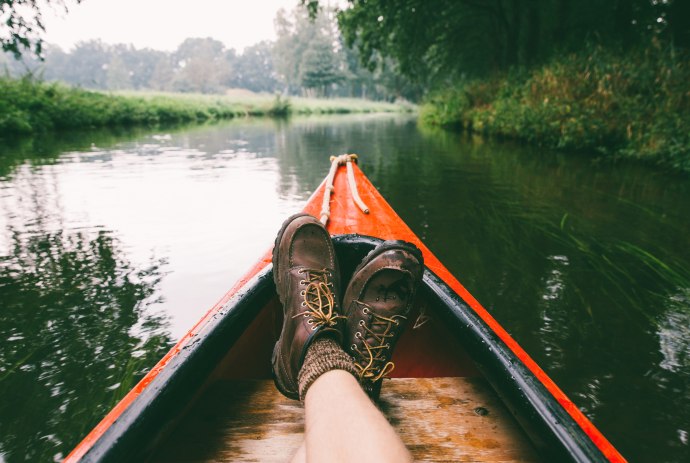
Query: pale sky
x=164 y=24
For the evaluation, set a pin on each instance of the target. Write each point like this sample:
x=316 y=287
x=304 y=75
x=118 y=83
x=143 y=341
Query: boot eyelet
x=365 y=311
x=361 y=323
x=353 y=347
x=302 y=282
x=396 y=322
x=358 y=335
x=310 y=322
x=313 y=328
x=301 y=293
x=303 y=304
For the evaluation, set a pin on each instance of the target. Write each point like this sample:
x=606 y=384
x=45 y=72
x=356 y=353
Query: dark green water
x=113 y=244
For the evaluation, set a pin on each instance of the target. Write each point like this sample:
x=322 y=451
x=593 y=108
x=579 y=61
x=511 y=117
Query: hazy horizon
x=163 y=24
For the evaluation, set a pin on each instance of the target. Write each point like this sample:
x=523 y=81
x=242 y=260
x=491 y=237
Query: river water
x=113 y=244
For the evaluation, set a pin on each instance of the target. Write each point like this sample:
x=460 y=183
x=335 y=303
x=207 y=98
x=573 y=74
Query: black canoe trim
x=554 y=433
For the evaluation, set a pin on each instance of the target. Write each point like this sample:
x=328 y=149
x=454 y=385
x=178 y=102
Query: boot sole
x=390 y=245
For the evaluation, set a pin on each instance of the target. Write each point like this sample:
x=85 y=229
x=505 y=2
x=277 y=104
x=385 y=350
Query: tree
x=22 y=25
x=89 y=62
x=142 y=65
x=319 y=67
x=305 y=54
x=293 y=32
x=162 y=74
x=118 y=77
x=254 y=70
x=202 y=66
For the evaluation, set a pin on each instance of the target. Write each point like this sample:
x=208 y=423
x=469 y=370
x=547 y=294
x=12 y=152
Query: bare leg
x=301 y=455
x=343 y=425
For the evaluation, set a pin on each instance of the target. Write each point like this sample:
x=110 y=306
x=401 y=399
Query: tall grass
x=632 y=104
x=28 y=106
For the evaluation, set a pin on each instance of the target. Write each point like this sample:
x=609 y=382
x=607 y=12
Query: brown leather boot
x=306 y=275
x=377 y=302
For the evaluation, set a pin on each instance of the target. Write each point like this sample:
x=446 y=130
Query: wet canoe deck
x=439 y=419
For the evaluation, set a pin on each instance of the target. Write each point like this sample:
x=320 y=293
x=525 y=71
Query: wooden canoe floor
x=439 y=419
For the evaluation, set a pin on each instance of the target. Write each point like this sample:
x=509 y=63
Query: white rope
x=336 y=161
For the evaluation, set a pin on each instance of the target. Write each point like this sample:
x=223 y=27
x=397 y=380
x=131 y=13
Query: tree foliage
x=434 y=40
x=21 y=25
x=254 y=69
x=310 y=56
x=306 y=53
x=202 y=66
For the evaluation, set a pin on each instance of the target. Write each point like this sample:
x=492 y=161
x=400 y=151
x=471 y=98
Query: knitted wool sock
x=324 y=354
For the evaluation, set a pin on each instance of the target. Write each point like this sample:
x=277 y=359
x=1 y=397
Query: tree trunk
x=512 y=45
x=679 y=23
x=531 y=52
x=622 y=21
x=560 y=31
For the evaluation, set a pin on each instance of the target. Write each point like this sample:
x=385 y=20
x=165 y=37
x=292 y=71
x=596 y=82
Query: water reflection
x=498 y=214
x=674 y=334
x=303 y=147
x=587 y=266
x=79 y=326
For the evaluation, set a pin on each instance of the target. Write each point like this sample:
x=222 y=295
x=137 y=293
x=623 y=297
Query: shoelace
x=318 y=297
x=375 y=367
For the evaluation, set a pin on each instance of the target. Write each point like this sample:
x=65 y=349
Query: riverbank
x=634 y=104
x=28 y=106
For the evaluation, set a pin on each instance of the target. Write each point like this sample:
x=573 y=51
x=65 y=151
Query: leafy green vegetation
x=22 y=24
x=28 y=106
x=633 y=104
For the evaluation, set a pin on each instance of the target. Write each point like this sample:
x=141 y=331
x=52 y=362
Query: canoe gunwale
x=151 y=415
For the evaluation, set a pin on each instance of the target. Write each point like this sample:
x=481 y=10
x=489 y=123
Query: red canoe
x=462 y=387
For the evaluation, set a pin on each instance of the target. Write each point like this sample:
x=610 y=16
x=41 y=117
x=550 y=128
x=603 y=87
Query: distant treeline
x=308 y=59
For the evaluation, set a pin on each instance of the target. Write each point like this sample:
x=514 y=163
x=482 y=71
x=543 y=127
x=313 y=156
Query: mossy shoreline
x=633 y=104
x=28 y=106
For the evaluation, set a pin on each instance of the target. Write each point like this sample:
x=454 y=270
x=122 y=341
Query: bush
x=634 y=104
x=28 y=106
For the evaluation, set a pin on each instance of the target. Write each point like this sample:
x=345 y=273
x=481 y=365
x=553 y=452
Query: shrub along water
x=632 y=104
x=29 y=106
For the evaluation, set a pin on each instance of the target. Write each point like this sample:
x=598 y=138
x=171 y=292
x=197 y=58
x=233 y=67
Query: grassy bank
x=633 y=104
x=28 y=106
